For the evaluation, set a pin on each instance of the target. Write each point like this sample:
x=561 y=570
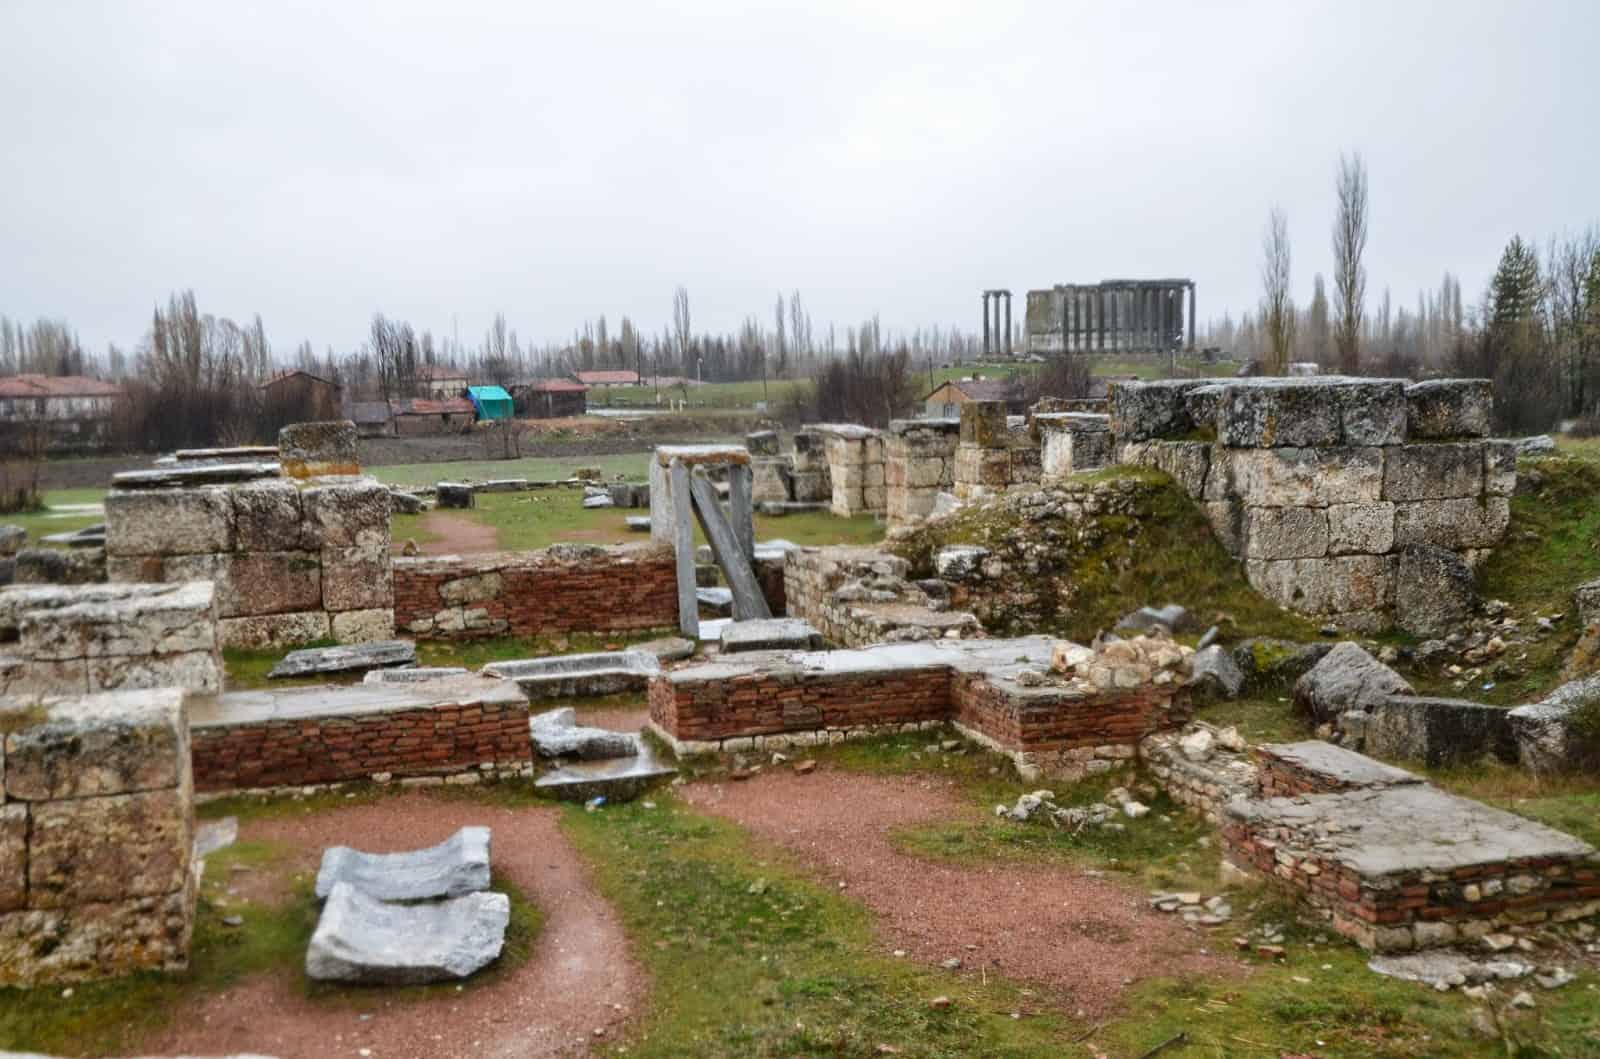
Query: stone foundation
x=919 y=464
x=855 y=467
x=563 y=588
x=97 y=875
x=69 y=639
x=991 y=456
x=1320 y=485
x=293 y=561
x=316 y=735
x=856 y=596
x=1203 y=784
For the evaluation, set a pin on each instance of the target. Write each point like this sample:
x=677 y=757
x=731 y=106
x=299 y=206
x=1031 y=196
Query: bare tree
x=1277 y=304
x=681 y=326
x=1349 y=273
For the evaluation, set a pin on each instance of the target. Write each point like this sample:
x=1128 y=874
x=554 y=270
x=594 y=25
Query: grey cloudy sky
x=317 y=162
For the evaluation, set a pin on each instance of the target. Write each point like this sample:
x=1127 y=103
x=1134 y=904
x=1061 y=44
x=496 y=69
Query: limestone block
x=474 y=589
x=195 y=670
x=812 y=487
x=810 y=451
x=267 y=516
x=1227 y=522
x=1442 y=409
x=269 y=583
x=1371 y=412
x=1346 y=678
x=1464 y=523
x=874 y=498
x=1335 y=585
x=1270 y=416
x=1204 y=406
x=363 y=626
x=458 y=865
x=1445 y=470
x=1285 y=532
x=359 y=939
x=118 y=621
x=136 y=569
x=13 y=856
x=873 y=476
x=1144 y=410
x=929 y=473
x=1439 y=732
x=59 y=566
x=1026 y=464
x=93 y=745
x=1056 y=453
x=1361 y=529
x=169 y=521
x=106 y=849
x=983 y=423
x=359 y=578
x=762 y=443
x=769 y=480
x=311 y=449
x=1291 y=477
x=274 y=630
x=96 y=940
x=20 y=676
x=1500 y=467
x=1188 y=462
x=1434 y=592
x=346 y=512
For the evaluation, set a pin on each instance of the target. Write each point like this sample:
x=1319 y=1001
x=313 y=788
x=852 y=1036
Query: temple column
x=1191 y=318
x=985 y=323
x=1008 y=346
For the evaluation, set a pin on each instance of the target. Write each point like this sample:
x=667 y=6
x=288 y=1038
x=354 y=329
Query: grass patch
x=56 y=516
x=747 y=958
x=632 y=465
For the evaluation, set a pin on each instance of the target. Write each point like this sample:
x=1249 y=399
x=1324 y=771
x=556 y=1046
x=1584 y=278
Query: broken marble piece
x=345 y=658
x=363 y=940
x=458 y=865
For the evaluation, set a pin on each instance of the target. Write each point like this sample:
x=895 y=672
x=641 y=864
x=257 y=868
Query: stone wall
x=1320 y=485
x=810 y=480
x=292 y=560
x=992 y=455
x=1202 y=779
x=856 y=596
x=304 y=736
x=65 y=639
x=919 y=463
x=1072 y=442
x=563 y=588
x=855 y=467
x=97 y=874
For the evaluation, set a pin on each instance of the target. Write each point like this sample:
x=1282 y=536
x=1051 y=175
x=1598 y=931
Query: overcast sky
x=317 y=162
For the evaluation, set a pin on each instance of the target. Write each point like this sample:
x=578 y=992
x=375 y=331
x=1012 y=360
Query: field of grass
x=54 y=518
x=630 y=465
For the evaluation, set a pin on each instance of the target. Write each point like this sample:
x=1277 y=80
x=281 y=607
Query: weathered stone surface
x=1144 y=410
x=1347 y=678
x=1265 y=660
x=1500 y=467
x=1439 y=731
x=1300 y=477
x=93 y=745
x=345 y=658
x=251 y=583
x=614 y=779
x=556 y=733
x=1462 y=523
x=169 y=522
x=762 y=443
x=12 y=538
x=55 y=566
x=1270 y=416
x=363 y=626
x=1444 y=409
x=1586 y=597
x=770 y=634
x=1334 y=767
x=588 y=674
x=1434 y=591
x=416 y=675
x=357 y=578
x=106 y=849
x=1442 y=471
x=267 y=516
x=1215 y=672
x=1338 y=585
x=458 y=865
x=453 y=494
x=1171 y=617
x=275 y=630
x=13 y=856
x=347 y=513
x=98 y=940
x=1537 y=445
x=1558 y=734
x=957 y=562
x=195 y=670
x=192 y=475
x=311 y=449
x=1286 y=532
x=1188 y=462
x=99 y=621
x=402 y=502
x=362 y=940
x=1361 y=529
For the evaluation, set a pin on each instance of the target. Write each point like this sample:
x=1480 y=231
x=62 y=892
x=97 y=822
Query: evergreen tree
x=1514 y=291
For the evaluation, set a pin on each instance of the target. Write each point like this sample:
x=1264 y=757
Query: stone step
x=616 y=780
x=345 y=658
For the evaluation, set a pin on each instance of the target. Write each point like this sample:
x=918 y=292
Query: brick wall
x=563 y=588
x=1045 y=721
x=439 y=739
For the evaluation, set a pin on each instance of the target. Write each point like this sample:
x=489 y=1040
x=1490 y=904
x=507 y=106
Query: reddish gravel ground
x=579 y=978
x=616 y=718
x=457 y=535
x=1080 y=936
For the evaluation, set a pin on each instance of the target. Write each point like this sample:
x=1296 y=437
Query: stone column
x=1191 y=317
x=1102 y=296
x=985 y=323
x=1007 y=343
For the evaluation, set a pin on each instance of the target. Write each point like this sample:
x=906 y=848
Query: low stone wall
x=1321 y=485
x=292 y=560
x=65 y=639
x=918 y=464
x=97 y=874
x=856 y=596
x=810 y=480
x=1072 y=442
x=1316 y=767
x=560 y=589
x=304 y=736
x=1203 y=783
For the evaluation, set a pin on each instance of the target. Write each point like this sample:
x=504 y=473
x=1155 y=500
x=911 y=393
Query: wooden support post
x=748 y=602
x=683 y=547
x=741 y=510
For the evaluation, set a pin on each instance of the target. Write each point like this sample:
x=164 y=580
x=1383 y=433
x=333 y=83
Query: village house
x=947 y=398
x=551 y=398
x=73 y=410
x=620 y=377
x=443 y=381
x=296 y=396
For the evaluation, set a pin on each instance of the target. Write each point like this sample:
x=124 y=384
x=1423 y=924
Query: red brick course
x=414 y=742
x=1052 y=721
x=534 y=593
x=761 y=704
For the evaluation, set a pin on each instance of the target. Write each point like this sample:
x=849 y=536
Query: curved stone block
x=458 y=865
x=370 y=942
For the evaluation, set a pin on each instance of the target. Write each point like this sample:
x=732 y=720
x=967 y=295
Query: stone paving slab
x=345 y=657
x=177 y=477
x=363 y=940
x=616 y=780
x=458 y=865
x=1345 y=768
x=770 y=634
x=1409 y=828
x=331 y=700
x=567 y=676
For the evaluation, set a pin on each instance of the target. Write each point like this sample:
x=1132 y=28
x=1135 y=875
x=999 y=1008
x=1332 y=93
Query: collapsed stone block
x=310 y=450
x=1438 y=731
x=1346 y=678
x=360 y=939
x=1551 y=735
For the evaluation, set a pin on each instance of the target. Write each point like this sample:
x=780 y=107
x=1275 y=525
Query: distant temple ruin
x=1114 y=315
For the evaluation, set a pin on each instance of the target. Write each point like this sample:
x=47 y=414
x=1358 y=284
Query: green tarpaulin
x=491 y=402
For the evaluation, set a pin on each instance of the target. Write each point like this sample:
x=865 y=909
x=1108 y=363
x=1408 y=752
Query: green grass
x=537 y=519
x=41 y=523
x=632 y=465
x=749 y=958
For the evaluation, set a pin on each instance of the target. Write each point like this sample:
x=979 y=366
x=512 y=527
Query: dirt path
x=579 y=978
x=457 y=534
x=1083 y=936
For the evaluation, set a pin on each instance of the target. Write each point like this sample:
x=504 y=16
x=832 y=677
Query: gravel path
x=1085 y=937
x=579 y=978
x=457 y=534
